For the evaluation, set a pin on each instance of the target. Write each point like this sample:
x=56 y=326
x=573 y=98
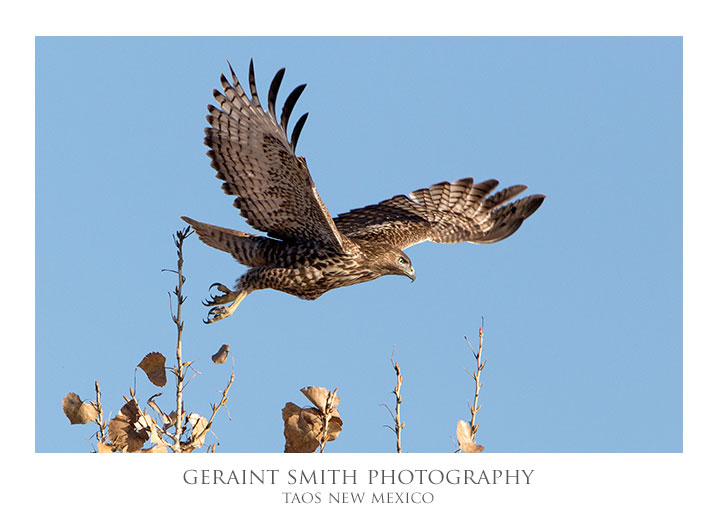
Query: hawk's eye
x=402 y=260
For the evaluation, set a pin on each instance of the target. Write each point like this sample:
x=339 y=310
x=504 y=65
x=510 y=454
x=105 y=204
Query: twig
x=397 y=424
x=100 y=435
x=179 y=370
x=477 y=378
x=215 y=407
x=189 y=366
x=397 y=392
x=327 y=415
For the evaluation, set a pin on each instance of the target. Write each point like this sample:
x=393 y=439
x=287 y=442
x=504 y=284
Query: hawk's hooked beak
x=412 y=274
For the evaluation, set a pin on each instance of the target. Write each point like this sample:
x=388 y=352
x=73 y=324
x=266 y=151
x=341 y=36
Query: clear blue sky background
x=582 y=306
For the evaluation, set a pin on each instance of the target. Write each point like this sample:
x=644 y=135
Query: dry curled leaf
x=104 y=448
x=198 y=423
x=335 y=424
x=318 y=396
x=147 y=423
x=126 y=434
x=77 y=411
x=465 y=442
x=155 y=449
x=300 y=435
x=222 y=354
x=304 y=426
x=197 y=435
x=153 y=364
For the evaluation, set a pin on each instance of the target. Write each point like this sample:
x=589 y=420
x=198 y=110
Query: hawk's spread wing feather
x=443 y=213
x=253 y=156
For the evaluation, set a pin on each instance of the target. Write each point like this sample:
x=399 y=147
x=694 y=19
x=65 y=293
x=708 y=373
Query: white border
x=566 y=485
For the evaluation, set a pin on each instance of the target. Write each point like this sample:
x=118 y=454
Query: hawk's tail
x=248 y=249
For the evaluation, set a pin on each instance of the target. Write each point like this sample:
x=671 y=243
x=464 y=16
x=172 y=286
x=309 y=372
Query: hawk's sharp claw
x=217 y=313
x=220 y=287
x=221 y=312
x=226 y=295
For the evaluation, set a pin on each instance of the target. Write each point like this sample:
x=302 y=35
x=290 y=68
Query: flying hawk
x=306 y=252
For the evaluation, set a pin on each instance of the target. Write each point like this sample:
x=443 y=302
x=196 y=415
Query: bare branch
x=101 y=435
x=477 y=378
x=179 y=372
x=397 y=424
x=221 y=403
x=327 y=415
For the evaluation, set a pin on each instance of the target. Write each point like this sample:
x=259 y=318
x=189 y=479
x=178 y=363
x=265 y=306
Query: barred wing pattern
x=252 y=154
x=443 y=213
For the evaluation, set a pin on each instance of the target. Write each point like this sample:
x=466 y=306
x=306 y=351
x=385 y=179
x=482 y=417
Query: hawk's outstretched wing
x=253 y=156
x=443 y=213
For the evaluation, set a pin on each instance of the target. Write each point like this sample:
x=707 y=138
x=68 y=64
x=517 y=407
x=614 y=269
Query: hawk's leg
x=228 y=296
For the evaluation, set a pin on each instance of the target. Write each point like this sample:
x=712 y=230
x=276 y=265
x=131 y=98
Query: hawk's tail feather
x=248 y=249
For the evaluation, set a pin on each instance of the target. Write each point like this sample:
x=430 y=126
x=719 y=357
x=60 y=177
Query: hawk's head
x=389 y=260
x=405 y=268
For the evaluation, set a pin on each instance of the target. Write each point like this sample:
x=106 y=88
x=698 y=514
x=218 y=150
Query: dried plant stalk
x=397 y=424
x=397 y=392
x=101 y=434
x=221 y=403
x=477 y=379
x=327 y=415
x=179 y=370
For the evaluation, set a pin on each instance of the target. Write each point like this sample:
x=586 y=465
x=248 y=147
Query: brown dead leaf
x=301 y=428
x=104 y=448
x=465 y=442
x=154 y=366
x=126 y=434
x=147 y=423
x=77 y=411
x=199 y=423
x=222 y=354
x=155 y=449
x=304 y=426
x=197 y=436
x=335 y=424
x=318 y=396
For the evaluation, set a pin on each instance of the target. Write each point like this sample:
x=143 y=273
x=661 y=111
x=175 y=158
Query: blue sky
x=582 y=306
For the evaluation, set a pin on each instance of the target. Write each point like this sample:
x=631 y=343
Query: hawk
x=306 y=252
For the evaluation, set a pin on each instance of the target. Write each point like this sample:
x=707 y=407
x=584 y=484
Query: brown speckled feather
x=252 y=155
x=443 y=213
